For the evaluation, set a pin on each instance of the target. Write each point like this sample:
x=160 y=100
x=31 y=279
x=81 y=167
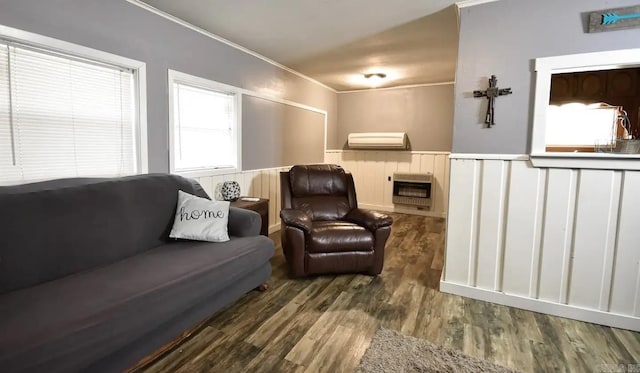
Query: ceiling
x=337 y=41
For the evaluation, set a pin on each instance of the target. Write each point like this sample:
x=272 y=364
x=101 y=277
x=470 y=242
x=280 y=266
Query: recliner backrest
x=324 y=192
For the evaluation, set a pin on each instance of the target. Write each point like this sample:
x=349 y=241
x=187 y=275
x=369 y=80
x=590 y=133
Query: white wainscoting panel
x=371 y=171
x=259 y=183
x=561 y=241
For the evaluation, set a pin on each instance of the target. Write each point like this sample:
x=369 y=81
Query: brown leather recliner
x=323 y=230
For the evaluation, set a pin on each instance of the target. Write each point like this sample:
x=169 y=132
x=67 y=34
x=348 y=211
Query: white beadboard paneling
x=257 y=183
x=379 y=179
x=390 y=166
x=445 y=188
x=490 y=221
x=590 y=237
x=264 y=180
x=571 y=238
x=207 y=184
x=426 y=163
x=610 y=241
x=332 y=157
x=524 y=185
x=274 y=206
x=557 y=237
x=372 y=169
x=404 y=162
x=534 y=271
x=627 y=256
x=416 y=160
x=439 y=185
x=365 y=175
x=249 y=184
x=462 y=211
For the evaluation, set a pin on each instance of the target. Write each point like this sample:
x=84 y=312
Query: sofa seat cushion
x=86 y=316
x=338 y=236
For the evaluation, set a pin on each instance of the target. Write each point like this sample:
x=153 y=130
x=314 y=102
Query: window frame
x=546 y=66
x=207 y=84
x=78 y=51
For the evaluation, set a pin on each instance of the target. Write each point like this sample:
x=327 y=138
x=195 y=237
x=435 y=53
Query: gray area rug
x=391 y=351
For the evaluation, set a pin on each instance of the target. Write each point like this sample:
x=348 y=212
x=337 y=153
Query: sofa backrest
x=324 y=192
x=56 y=228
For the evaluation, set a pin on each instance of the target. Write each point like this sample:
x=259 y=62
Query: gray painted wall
x=121 y=28
x=504 y=38
x=424 y=113
x=277 y=135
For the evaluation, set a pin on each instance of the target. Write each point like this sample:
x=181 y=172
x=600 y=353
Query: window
x=204 y=128
x=65 y=116
x=579 y=127
x=598 y=137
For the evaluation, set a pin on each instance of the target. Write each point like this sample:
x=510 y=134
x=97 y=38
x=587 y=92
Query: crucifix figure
x=491 y=93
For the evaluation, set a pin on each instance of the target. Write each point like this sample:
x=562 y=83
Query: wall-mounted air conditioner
x=378 y=140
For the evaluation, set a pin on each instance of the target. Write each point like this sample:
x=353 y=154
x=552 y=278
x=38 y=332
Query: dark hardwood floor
x=325 y=324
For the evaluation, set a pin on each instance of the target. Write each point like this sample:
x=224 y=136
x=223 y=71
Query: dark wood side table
x=261 y=207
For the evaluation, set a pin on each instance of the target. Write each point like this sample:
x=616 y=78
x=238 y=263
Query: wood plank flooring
x=325 y=324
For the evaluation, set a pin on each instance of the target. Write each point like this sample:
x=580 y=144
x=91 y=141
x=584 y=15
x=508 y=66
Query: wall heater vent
x=412 y=189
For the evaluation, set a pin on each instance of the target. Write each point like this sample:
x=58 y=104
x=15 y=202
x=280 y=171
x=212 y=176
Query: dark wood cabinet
x=562 y=88
x=261 y=207
x=619 y=87
x=591 y=85
x=622 y=83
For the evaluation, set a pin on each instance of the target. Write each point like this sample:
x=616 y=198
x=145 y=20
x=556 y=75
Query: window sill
x=206 y=172
x=605 y=161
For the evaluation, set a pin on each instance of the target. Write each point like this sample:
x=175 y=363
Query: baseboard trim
x=401 y=210
x=274 y=228
x=542 y=306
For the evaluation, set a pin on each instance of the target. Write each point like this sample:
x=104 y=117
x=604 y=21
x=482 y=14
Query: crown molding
x=204 y=32
x=468 y=3
x=397 y=87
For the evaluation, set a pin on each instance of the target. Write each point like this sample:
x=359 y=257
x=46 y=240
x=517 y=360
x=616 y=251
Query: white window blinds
x=63 y=117
x=204 y=128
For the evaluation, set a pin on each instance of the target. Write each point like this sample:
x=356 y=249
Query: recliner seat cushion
x=338 y=236
x=80 y=318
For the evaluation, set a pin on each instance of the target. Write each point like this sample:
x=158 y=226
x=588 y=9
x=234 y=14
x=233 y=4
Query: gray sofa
x=90 y=281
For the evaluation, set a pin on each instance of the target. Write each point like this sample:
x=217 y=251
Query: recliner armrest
x=296 y=218
x=371 y=220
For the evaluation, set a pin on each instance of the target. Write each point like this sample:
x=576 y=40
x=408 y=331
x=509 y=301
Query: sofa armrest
x=244 y=223
x=371 y=220
x=296 y=218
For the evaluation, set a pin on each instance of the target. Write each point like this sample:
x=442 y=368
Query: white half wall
x=372 y=169
x=559 y=241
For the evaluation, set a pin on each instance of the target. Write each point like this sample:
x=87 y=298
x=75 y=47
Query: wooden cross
x=491 y=93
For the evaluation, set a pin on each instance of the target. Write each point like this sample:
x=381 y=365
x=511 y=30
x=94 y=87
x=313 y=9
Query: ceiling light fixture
x=374 y=79
x=375 y=75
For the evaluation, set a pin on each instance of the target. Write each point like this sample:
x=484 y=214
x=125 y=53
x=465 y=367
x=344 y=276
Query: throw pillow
x=200 y=219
